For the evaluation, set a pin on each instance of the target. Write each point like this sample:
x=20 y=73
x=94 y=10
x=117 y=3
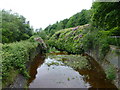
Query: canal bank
x=20 y=59
x=62 y=71
x=68 y=71
x=110 y=63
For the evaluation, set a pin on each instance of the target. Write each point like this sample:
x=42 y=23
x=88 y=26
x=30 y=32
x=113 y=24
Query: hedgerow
x=15 y=57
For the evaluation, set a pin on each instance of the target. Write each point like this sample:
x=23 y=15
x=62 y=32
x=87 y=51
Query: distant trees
x=41 y=33
x=103 y=16
x=14 y=27
x=80 y=18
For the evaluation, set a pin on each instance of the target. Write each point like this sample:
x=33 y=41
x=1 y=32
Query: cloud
x=41 y=13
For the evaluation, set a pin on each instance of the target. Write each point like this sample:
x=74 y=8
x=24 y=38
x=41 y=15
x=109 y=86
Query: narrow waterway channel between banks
x=48 y=72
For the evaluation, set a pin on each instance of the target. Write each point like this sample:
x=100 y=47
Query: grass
x=110 y=72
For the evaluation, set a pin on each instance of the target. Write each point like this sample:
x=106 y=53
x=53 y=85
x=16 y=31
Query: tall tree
x=14 y=27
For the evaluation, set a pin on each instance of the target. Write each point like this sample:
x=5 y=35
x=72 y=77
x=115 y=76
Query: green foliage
x=74 y=61
x=110 y=72
x=88 y=42
x=80 y=18
x=15 y=56
x=41 y=34
x=92 y=39
x=104 y=26
x=53 y=63
x=97 y=40
x=106 y=15
x=52 y=50
x=14 y=27
x=32 y=39
x=68 y=40
x=115 y=31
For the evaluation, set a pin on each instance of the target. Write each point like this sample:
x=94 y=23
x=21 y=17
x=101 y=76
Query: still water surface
x=60 y=76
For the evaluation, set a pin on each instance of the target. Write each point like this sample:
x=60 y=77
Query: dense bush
x=68 y=40
x=111 y=72
x=14 y=27
x=41 y=34
x=14 y=58
x=80 y=18
x=99 y=40
x=84 y=39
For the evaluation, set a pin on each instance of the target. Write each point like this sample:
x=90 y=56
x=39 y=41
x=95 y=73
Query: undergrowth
x=14 y=58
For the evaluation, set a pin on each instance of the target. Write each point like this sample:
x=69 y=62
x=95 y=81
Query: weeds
x=111 y=72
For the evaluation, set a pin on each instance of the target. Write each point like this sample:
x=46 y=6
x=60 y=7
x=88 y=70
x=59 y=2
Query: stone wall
x=111 y=58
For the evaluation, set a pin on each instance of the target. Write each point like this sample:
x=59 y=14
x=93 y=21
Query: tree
x=14 y=27
x=80 y=18
x=106 y=15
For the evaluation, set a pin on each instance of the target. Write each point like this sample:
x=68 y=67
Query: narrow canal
x=48 y=72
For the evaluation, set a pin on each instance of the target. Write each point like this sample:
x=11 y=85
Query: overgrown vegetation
x=98 y=36
x=14 y=59
x=102 y=31
x=99 y=41
x=68 y=40
x=111 y=72
x=106 y=16
x=14 y=27
x=53 y=50
x=80 y=18
x=74 y=61
x=15 y=55
x=100 y=28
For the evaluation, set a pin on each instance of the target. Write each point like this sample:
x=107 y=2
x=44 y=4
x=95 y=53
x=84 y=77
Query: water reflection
x=50 y=73
x=57 y=76
x=38 y=60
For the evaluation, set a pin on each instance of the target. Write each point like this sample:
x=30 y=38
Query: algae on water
x=75 y=61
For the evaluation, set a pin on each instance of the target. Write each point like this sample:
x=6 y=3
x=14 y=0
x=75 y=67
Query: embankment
x=69 y=39
x=16 y=58
x=97 y=44
x=110 y=62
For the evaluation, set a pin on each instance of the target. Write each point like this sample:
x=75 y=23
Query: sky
x=41 y=13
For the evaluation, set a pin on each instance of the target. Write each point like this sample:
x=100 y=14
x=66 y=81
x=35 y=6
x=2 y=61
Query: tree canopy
x=14 y=27
x=80 y=18
x=106 y=15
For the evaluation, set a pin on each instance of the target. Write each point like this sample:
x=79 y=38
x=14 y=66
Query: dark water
x=96 y=76
x=57 y=75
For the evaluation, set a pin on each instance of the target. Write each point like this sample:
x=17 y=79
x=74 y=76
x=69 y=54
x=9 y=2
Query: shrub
x=32 y=39
x=65 y=40
x=84 y=39
x=15 y=57
x=110 y=72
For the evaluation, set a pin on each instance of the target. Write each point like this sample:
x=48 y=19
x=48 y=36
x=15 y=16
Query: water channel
x=44 y=75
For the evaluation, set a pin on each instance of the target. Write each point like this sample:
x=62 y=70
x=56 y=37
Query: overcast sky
x=41 y=13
